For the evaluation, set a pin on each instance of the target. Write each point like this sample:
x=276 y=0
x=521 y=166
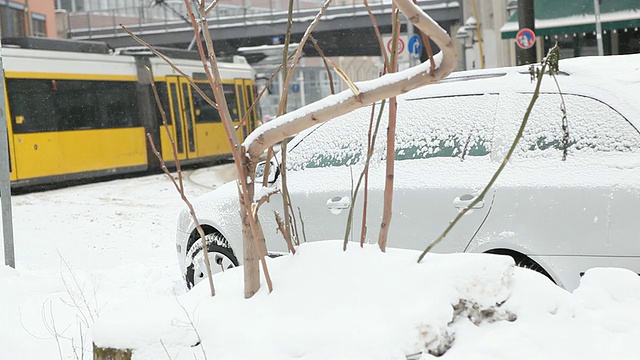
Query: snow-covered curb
x=363 y=304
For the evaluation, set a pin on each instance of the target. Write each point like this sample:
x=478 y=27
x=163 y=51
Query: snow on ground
x=84 y=249
x=104 y=254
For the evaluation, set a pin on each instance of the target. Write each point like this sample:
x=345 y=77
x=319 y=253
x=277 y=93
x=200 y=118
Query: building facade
x=20 y=18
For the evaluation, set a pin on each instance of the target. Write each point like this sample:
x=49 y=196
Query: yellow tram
x=77 y=115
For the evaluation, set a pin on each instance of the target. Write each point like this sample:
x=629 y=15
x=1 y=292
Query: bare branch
x=211 y=6
x=265 y=198
x=385 y=56
x=298 y=54
x=346 y=79
x=398 y=83
x=243 y=166
x=391 y=136
x=285 y=234
x=324 y=60
x=205 y=248
x=304 y=234
x=173 y=66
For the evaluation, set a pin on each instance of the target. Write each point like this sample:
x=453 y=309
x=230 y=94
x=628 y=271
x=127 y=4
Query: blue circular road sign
x=415 y=45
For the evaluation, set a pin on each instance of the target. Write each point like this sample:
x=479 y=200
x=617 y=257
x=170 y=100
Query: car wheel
x=221 y=257
x=523 y=261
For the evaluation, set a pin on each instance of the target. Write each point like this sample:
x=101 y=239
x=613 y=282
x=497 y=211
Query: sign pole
x=596 y=6
x=526 y=20
x=5 y=179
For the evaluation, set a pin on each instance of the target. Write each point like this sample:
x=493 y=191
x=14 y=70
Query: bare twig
x=391 y=153
x=546 y=62
x=195 y=330
x=427 y=45
x=281 y=227
x=244 y=167
x=205 y=247
x=165 y=350
x=172 y=65
x=265 y=198
x=179 y=185
x=378 y=36
x=285 y=52
x=565 y=123
x=285 y=190
x=363 y=174
x=409 y=79
x=324 y=60
x=346 y=79
x=211 y=6
x=371 y=141
x=298 y=54
x=304 y=234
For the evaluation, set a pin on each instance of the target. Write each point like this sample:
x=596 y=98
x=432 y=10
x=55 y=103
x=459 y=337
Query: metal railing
x=154 y=19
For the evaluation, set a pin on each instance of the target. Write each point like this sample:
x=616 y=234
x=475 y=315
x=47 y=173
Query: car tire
x=221 y=257
x=523 y=261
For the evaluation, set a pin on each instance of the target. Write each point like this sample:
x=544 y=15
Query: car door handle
x=336 y=204
x=465 y=200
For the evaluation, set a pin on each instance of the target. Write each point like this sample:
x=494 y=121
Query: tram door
x=242 y=104
x=13 y=174
x=182 y=118
x=252 y=119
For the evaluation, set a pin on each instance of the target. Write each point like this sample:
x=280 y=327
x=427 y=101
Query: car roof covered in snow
x=614 y=80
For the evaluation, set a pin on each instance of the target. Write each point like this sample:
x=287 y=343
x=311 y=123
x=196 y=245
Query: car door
x=550 y=207
x=323 y=165
x=443 y=147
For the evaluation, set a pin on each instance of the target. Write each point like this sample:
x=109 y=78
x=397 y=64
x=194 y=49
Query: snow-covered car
x=560 y=217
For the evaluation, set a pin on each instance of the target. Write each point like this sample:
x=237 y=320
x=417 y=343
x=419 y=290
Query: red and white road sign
x=399 y=46
x=525 y=38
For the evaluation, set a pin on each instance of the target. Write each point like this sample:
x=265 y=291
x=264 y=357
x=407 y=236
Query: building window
x=12 y=20
x=70 y=5
x=39 y=27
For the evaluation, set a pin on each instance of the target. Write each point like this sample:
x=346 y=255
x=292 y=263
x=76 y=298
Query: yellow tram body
x=74 y=115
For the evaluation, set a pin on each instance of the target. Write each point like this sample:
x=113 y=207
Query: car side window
x=455 y=126
x=593 y=127
x=338 y=142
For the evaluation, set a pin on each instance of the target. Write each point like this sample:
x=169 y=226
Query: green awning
x=554 y=17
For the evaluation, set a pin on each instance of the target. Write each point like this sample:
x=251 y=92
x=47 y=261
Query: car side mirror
x=274 y=171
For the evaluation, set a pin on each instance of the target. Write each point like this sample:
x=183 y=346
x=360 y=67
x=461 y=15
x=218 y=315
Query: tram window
x=117 y=106
x=32 y=104
x=204 y=112
x=164 y=100
x=64 y=105
x=232 y=102
x=77 y=105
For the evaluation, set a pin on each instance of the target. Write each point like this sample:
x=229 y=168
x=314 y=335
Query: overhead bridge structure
x=343 y=31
